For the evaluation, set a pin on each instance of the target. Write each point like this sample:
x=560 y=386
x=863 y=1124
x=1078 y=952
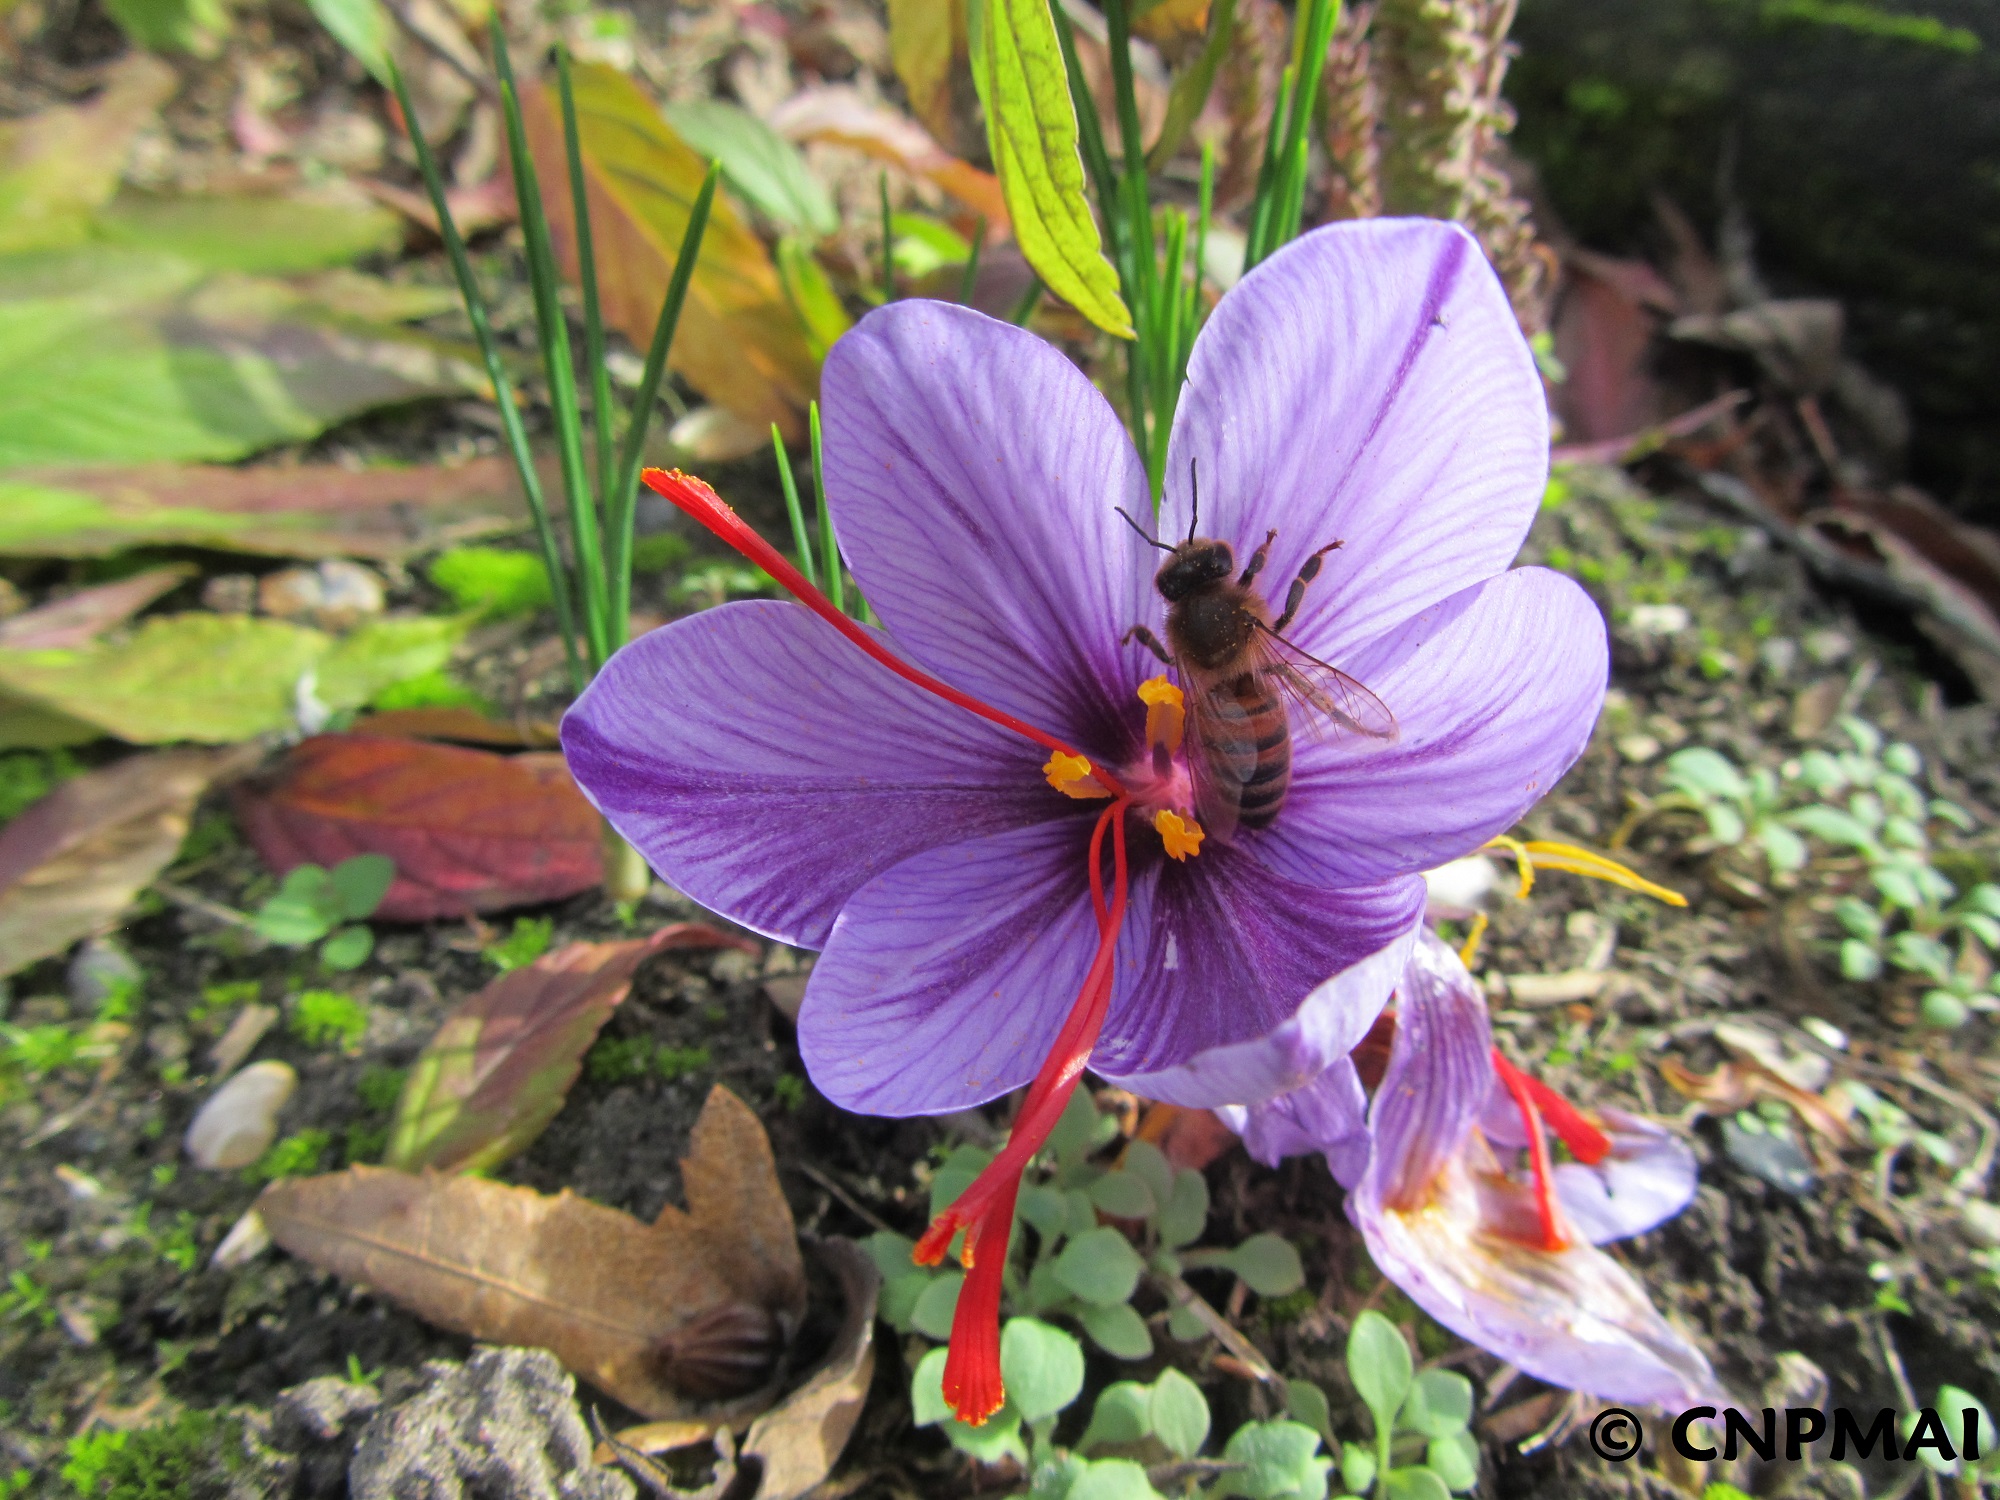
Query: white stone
x=240 y=1119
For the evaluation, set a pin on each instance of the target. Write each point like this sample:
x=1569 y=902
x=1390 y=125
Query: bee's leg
x=1257 y=560
x=1150 y=641
x=1296 y=595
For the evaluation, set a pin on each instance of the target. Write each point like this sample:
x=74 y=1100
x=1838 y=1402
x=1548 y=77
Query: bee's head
x=1196 y=564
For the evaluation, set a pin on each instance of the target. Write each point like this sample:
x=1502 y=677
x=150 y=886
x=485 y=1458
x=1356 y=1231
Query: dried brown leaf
x=837 y=112
x=86 y=614
x=72 y=863
x=610 y=1297
x=801 y=1438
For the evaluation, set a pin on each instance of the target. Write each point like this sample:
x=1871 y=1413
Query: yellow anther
x=1072 y=776
x=1182 y=836
x=1539 y=854
x=1166 y=712
x=1468 y=951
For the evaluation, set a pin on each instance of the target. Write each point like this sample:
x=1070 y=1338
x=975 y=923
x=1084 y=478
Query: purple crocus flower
x=1502 y=1255
x=891 y=805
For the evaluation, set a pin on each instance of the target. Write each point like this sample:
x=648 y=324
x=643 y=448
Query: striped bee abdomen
x=1254 y=733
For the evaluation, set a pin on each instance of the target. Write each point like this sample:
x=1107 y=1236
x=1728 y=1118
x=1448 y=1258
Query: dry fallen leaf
x=837 y=112
x=72 y=863
x=469 y=830
x=799 y=1440
x=81 y=617
x=643 y=1312
x=502 y=1063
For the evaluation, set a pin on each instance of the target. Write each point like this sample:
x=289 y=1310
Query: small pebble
x=1659 y=619
x=247 y=1239
x=1775 y=1159
x=240 y=1119
x=1638 y=748
x=334 y=595
x=230 y=594
x=100 y=970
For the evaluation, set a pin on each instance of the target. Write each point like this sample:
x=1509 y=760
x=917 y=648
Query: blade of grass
x=836 y=583
x=1030 y=300
x=503 y=387
x=888 y=243
x=792 y=507
x=622 y=506
x=586 y=259
x=554 y=331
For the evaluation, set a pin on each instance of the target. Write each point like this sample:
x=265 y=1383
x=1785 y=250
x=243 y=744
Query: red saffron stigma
x=1519 y=1085
x=1586 y=1142
x=694 y=498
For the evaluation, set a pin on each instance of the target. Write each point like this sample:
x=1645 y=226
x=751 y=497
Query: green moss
x=492 y=580
x=438 y=689
x=528 y=941
x=295 y=1156
x=189 y=1458
x=378 y=1088
x=322 y=1016
x=679 y=1062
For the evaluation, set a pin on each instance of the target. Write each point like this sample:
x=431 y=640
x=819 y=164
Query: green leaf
x=1414 y=1483
x=812 y=295
x=1703 y=773
x=955 y=1175
x=269 y=235
x=302 y=910
x=927 y=1403
x=360 y=883
x=1185 y=1326
x=1378 y=1362
x=1124 y=1195
x=1439 y=1404
x=1075 y=1132
x=1179 y=1414
x=1111 y=1479
x=763 y=168
x=195 y=26
x=1281 y=1462
x=1832 y=826
x=933 y=1312
x=900 y=1295
x=362 y=27
x=1150 y=1163
x=1785 y=850
x=1454 y=1458
x=1123 y=1414
x=1100 y=1266
x=1031 y=126
x=999 y=1438
x=58 y=165
x=1307 y=1403
x=1041 y=1366
x=1047 y=1210
x=1117 y=1330
x=381 y=653
x=1357 y=1468
x=347 y=949
x=1082 y=1212
x=1268 y=1265
x=1186 y=1213
x=492 y=581
x=127 y=356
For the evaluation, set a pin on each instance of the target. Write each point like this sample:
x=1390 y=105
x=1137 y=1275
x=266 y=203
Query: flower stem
x=627 y=876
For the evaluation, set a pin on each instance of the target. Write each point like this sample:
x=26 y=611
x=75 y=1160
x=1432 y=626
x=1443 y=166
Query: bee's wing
x=1221 y=750
x=1324 y=694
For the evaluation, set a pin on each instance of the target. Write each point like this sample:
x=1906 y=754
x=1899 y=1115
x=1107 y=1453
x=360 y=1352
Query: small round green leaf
x=1182 y=1324
x=1307 y=1403
x=347 y=949
x=1180 y=1414
x=935 y=1305
x=1149 y=1163
x=1357 y=1468
x=1454 y=1458
x=1123 y=1414
x=1439 y=1404
x=1124 y=1195
x=900 y=1296
x=1046 y=1209
x=1378 y=1362
x=1415 y=1483
x=1101 y=1267
x=1268 y=1265
x=1112 y=1479
x=1117 y=1330
x=360 y=883
x=927 y=1403
x=956 y=1175
x=1075 y=1133
x=1042 y=1367
x=1186 y=1212
x=891 y=1253
x=1281 y=1462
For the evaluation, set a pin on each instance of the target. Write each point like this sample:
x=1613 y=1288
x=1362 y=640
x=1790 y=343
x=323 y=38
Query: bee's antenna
x=1194 y=505
x=1142 y=534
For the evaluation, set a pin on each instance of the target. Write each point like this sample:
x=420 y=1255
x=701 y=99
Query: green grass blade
x=593 y=317
x=554 y=331
x=503 y=387
x=793 y=509
x=888 y=243
x=622 y=506
x=1025 y=308
x=836 y=585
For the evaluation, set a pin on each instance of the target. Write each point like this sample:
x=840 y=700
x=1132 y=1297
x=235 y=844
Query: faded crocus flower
x=1500 y=1251
x=983 y=813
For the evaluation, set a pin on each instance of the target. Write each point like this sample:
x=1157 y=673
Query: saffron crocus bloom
x=1502 y=1255
x=982 y=812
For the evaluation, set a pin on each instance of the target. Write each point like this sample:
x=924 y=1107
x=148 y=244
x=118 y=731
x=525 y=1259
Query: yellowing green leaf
x=740 y=344
x=259 y=234
x=924 y=35
x=1031 y=124
x=57 y=166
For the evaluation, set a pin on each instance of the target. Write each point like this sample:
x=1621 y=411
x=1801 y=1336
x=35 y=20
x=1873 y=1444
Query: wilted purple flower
x=1366 y=385
x=1501 y=1254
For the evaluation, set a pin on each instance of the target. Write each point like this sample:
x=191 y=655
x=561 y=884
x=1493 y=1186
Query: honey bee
x=1238 y=672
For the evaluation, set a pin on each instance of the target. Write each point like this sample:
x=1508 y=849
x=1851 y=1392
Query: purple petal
x=1647 y=1179
x=1367 y=384
x=947 y=978
x=1573 y=1317
x=972 y=472
x=1328 y=1115
x=1224 y=994
x=768 y=769
x=1495 y=692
